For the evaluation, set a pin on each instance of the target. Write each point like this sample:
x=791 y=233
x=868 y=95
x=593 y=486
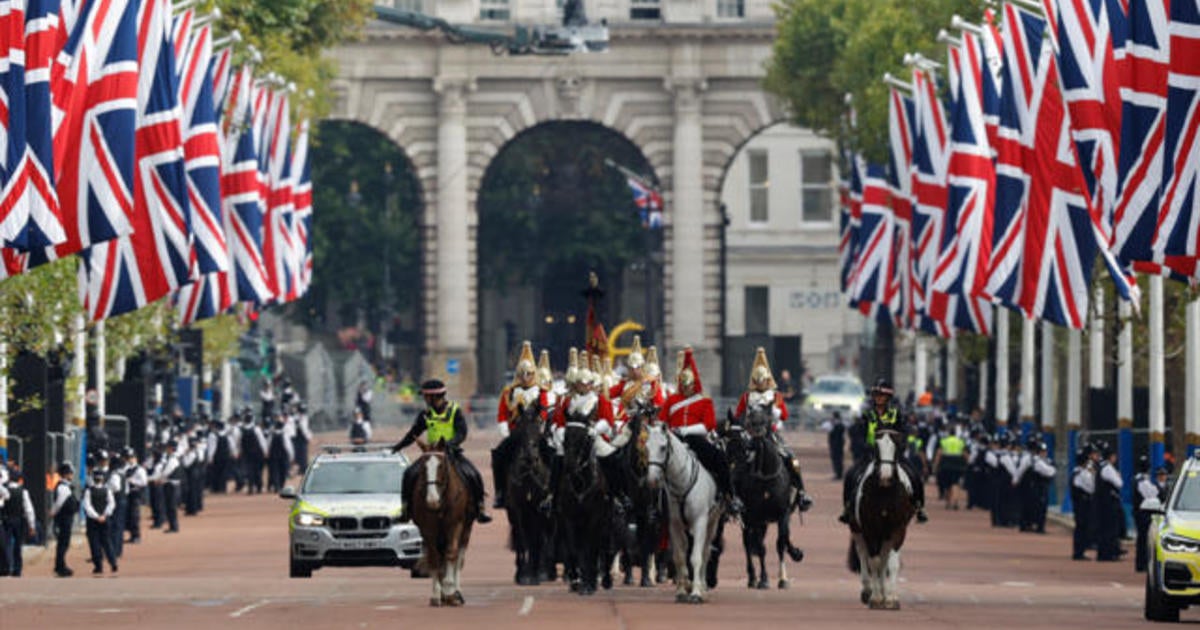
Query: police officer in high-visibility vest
x=950 y=463
x=441 y=421
x=881 y=414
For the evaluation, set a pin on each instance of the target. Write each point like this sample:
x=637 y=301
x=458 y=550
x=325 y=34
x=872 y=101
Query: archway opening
x=367 y=208
x=554 y=204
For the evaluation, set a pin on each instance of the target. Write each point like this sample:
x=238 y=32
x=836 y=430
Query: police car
x=346 y=513
x=1173 y=575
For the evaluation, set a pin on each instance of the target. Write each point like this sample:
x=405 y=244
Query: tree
x=829 y=48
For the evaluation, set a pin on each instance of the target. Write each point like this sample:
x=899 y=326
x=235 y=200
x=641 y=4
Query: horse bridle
x=694 y=477
x=893 y=433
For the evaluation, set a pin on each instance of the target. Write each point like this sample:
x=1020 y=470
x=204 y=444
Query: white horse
x=694 y=509
x=882 y=510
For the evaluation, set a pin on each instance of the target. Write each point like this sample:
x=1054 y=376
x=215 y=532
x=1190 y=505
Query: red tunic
x=684 y=411
x=507 y=411
x=743 y=402
x=619 y=388
x=604 y=411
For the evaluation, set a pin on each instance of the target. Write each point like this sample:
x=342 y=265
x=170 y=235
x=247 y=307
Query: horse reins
x=695 y=477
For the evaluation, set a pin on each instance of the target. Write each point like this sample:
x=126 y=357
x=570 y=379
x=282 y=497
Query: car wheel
x=299 y=569
x=1157 y=608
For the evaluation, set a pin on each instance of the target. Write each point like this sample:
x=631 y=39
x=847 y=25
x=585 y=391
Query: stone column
x=453 y=356
x=687 y=217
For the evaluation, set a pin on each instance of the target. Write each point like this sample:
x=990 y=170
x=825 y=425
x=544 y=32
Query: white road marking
x=1117 y=585
x=526 y=606
x=1018 y=584
x=109 y=611
x=241 y=611
x=974 y=598
x=386 y=607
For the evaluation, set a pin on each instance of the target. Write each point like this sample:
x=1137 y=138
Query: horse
x=761 y=481
x=527 y=488
x=882 y=509
x=444 y=513
x=695 y=511
x=584 y=508
x=625 y=464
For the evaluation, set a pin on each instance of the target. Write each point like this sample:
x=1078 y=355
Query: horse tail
x=852 y=562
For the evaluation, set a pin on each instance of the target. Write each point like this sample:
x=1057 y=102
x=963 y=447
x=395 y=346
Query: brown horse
x=442 y=509
x=883 y=507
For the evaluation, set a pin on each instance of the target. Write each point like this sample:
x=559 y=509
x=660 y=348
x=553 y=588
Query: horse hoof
x=891 y=604
x=797 y=555
x=695 y=599
x=751 y=584
x=762 y=585
x=646 y=582
x=628 y=580
x=783 y=585
x=606 y=582
x=864 y=597
x=435 y=602
x=875 y=604
x=681 y=598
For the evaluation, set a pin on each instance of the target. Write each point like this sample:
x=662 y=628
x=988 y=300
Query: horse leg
x=450 y=594
x=877 y=565
x=748 y=545
x=436 y=569
x=679 y=547
x=891 y=599
x=699 y=553
x=783 y=548
x=864 y=569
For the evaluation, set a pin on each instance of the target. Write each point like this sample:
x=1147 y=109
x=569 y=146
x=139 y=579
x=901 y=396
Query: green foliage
x=829 y=48
x=353 y=236
x=550 y=208
x=221 y=334
x=146 y=329
x=291 y=34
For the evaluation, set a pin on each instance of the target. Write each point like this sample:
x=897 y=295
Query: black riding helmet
x=883 y=386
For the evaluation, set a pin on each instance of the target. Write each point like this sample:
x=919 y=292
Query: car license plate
x=355 y=544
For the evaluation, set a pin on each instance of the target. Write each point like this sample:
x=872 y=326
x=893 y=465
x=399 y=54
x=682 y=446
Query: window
x=757 y=310
x=816 y=187
x=416 y=6
x=494 y=10
x=645 y=9
x=759 y=186
x=731 y=8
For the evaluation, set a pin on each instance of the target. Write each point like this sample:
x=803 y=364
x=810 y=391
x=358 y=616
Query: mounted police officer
x=441 y=421
x=881 y=415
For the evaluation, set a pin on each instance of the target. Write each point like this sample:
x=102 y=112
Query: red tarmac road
x=228 y=568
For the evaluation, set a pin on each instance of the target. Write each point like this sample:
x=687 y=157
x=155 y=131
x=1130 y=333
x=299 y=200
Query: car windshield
x=837 y=386
x=354 y=478
x=1187 y=499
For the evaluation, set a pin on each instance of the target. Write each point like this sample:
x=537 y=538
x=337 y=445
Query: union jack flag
x=302 y=199
x=851 y=218
x=157 y=257
x=1091 y=88
x=201 y=145
x=929 y=191
x=900 y=154
x=1046 y=237
x=967 y=242
x=94 y=85
x=222 y=78
x=993 y=56
x=42 y=35
x=14 y=209
x=242 y=198
x=874 y=264
x=1179 y=223
x=277 y=245
x=208 y=296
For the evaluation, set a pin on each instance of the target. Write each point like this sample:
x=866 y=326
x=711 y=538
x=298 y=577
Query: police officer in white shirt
x=99 y=505
x=169 y=476
x=136 y=481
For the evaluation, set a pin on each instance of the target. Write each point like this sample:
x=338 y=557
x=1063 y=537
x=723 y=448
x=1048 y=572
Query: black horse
x=584 y=509
x=527 y=489
x=641 y=526
x=760 y=478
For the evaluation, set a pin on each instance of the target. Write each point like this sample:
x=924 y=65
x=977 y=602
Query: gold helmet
x=572 y=374
x=526 y=369
x=760 y=375
x=653 y=369
x=545 y=375
x=585 y=372
x=635 y=359
x=597 y=371
x=688 y=375
x=683 y=378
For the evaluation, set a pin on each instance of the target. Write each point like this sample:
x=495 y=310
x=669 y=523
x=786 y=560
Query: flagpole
x=1074 y=393
x=101 y=359
x=4 y=398
x=1001 y=370
x=226 y=389
x=1157 y=367
x=79 y=371
x=1096 y=342
x=1125 y=395
x=1028 y=327
x=920 y=367
x=952 y=371
x=1047 y=414
x=1191 y=412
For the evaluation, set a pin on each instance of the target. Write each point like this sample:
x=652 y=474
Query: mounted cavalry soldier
x=881 y=414
x=514 y=398
x=637 y=384
x=690 y=414
x=441 y=421
x=763 y=392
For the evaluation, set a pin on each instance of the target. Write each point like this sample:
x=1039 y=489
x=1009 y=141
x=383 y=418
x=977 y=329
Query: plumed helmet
x=653 y=369
x=636 y=359
x=760 y=374
x=687 y=374
x=572 y=375
x=585 y=376
x=526 y=368
x=544 y=374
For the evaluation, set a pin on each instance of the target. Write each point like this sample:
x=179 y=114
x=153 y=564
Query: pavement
x=228 y=568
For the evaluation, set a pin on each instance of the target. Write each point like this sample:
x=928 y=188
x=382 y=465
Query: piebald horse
x=882 y=509
x=693 y=506
x=444 y=513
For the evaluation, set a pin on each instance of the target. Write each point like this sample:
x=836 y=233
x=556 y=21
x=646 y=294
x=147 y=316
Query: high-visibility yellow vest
x=888 y=419
x=440 y=426
x=953 y=446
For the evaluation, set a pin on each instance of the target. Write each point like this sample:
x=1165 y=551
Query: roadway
x=228 y=568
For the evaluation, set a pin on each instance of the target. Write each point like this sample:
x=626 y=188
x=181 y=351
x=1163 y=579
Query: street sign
x=452 y=366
